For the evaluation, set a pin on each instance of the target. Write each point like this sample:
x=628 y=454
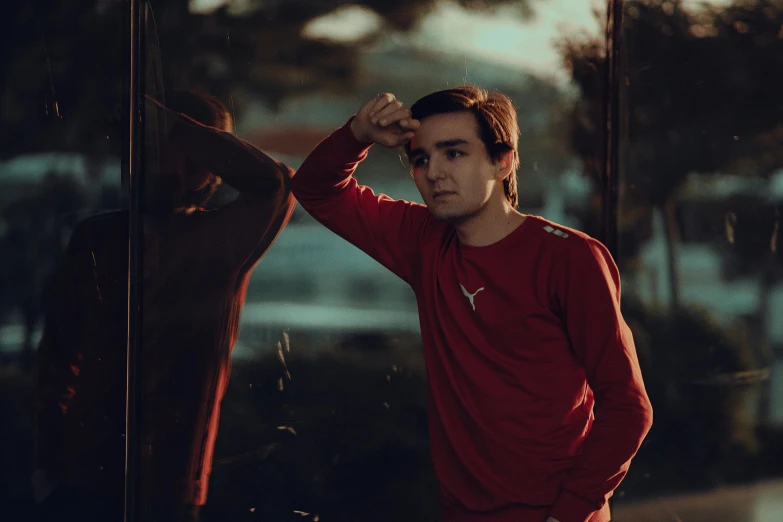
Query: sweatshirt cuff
x=571 y=508
x=346 y=145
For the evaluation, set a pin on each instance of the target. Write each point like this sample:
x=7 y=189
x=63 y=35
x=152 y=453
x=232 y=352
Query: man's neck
x=489 y=226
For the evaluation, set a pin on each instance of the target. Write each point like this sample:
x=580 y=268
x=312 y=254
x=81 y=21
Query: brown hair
x=496 y=118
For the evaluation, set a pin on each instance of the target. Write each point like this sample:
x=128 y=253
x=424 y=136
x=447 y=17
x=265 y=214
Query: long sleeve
x=588 y=289
x=265 y=202
x=387 y=230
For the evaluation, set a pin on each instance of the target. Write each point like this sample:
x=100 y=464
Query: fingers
x=385 y=110
x=380 y=102
x=368 y=107
x=395 y=140
x=400 y=117
x=391 y=108
x=409 y=123
x=385 y=120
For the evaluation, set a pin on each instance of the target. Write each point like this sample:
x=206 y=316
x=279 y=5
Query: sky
x=506 y=38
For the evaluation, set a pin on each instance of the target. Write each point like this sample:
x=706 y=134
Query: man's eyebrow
x=445 y=144
x=450 y=143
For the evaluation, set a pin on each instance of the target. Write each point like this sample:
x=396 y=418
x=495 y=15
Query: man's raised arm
x=388 y=230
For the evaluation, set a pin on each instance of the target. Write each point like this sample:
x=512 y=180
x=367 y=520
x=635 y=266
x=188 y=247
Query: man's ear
x=504 y=165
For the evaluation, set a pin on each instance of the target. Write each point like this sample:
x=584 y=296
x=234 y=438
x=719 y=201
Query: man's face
x=452 y=168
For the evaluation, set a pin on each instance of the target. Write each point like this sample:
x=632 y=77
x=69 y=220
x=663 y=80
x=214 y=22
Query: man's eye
x=454 y=153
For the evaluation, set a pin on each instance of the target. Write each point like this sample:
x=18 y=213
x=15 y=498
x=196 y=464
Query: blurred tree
x=61 y=77
x=61 y=87
x=262 y=46
x=700 y=96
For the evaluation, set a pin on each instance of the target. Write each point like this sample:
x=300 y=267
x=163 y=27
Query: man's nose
x=436 y=170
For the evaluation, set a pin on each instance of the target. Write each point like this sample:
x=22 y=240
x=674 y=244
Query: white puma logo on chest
x=471 y=296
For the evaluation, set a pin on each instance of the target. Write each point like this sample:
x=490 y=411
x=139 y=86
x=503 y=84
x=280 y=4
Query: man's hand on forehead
x=385 y=108
x=384 y=120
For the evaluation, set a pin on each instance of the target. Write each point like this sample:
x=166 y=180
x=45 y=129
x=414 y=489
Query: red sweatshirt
x=520 y=339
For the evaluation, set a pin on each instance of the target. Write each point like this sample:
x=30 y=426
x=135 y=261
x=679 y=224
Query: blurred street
x=754 y=503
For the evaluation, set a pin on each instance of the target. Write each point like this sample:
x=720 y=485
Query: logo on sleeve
x=471 y=297
x=555 y=231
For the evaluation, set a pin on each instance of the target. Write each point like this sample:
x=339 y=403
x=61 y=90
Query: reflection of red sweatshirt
x=520 y=338
x=197 y=266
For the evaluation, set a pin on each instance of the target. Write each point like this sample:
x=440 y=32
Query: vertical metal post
x=613 y=78
x=135 y=180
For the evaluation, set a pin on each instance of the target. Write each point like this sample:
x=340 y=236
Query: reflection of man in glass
x=197 y=264
x=520 y=317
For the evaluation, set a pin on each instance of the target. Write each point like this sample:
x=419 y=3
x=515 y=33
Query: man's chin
x=446 y=216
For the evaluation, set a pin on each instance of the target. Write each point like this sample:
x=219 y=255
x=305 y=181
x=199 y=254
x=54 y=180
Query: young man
x=520 y=317
x=197 y=264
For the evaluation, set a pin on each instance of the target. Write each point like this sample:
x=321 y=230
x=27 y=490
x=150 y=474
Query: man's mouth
x=439 y=193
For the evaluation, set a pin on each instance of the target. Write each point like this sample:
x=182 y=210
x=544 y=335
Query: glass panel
x=698 y=213
x=63 y=281
x=325 y=414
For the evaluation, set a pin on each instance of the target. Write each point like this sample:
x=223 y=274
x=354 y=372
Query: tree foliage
x=700 y=94
x=61 y=86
